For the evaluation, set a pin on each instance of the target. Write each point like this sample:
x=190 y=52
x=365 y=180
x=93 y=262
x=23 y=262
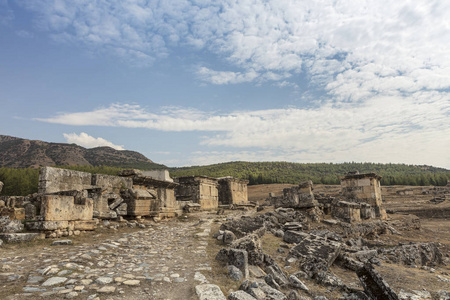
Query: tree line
x=24 y=181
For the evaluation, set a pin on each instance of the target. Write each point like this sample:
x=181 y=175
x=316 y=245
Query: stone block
x=240 y=295
x=111 y=183
x=346 y=211
x=10 y=226
x=235 y=257
x=54 y=180
x=64 y=208
x=294 y=237
x=30 y=211
x=209 y=292
x=374 y=285
x=19 y=237
x=121 y=210
x=315 y=253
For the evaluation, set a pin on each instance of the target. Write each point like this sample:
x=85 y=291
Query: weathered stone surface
x=297 y=283
x=18 y=237
x=53 y=180
x=364 y=188
x=232 y=191
x=294 y=237
x=271 y=293
x=277 y=275
x=10 y=226
x=1 y=186
x=62 y=242
x=374 y=284
x=121 y=210
x=244 y=225
x=198 y=189
x=116 y=203
x=209 y=292
x=56 y=225
x=240 y=295
x=65 y=208
x=256 y=272
x=346 y=211
x=315 y=253
x=228 y=237
x=107 y=289
x=235 y=273
x=54 y=281
x=252 y=244
x=424 y=254
x=30 y=211
x=299 y=196
x=235 y=257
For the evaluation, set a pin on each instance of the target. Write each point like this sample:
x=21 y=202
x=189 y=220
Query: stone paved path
x=164 y=261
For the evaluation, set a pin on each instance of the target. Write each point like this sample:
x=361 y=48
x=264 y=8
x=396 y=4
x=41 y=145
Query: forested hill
x=326 y=173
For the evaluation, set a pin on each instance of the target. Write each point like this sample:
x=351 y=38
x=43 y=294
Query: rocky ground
x=161 y=261
x=143 y=259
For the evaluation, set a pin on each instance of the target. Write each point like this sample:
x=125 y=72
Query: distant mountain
x=21 y=153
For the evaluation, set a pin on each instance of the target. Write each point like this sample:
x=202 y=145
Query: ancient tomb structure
x=152 y=193
x=201 y=190
x=232 y=191
x=364 y=189
x=300 y=196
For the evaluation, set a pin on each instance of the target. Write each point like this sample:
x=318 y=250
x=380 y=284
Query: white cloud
x=354 y=49
x=382 y=129
x=85 y=140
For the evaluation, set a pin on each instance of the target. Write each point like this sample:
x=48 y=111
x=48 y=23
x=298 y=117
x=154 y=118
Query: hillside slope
x=22 y=153
x=326 y=173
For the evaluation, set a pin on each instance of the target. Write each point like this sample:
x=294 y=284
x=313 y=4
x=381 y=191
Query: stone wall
x=65 y=208
x=54 y=180
x=198 y=189
x=362 y=188
x=232 y=191
x=346 y=211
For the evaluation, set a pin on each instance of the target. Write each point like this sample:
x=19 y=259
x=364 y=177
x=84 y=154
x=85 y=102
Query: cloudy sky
x=199 y=82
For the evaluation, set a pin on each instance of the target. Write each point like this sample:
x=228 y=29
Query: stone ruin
x=232 y=191
x=71 y=201
x=361 y=195
x=300 y=196
x=197 y=191
x=360 y=198
x=206 y=193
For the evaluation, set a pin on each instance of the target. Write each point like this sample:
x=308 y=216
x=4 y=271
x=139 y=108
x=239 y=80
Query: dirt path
x=162 y=261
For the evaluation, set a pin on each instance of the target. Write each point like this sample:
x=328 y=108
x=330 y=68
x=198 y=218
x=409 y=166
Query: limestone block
x=53 y=180
x=1 y=186
x=18 y=237
x=10 y=226
x=112 y=183
x=374 y=285
x=62 y=208
x=294 y=237
x=315 y=253
x=122 y=209
x=235 y=257
x=346 y=211
x=209 y=292
x=115 y=203
x=30 y=211
x=240 y=295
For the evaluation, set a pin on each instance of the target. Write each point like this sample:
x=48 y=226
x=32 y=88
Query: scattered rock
x=209 y=292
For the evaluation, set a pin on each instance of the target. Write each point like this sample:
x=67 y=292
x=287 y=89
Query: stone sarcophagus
x=232 y=191
x=197 y=189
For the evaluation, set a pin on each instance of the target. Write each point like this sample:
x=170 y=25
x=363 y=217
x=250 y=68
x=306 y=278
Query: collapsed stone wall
x=300 y=196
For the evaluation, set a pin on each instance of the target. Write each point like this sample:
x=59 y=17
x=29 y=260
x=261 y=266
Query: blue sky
x=200 y=82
